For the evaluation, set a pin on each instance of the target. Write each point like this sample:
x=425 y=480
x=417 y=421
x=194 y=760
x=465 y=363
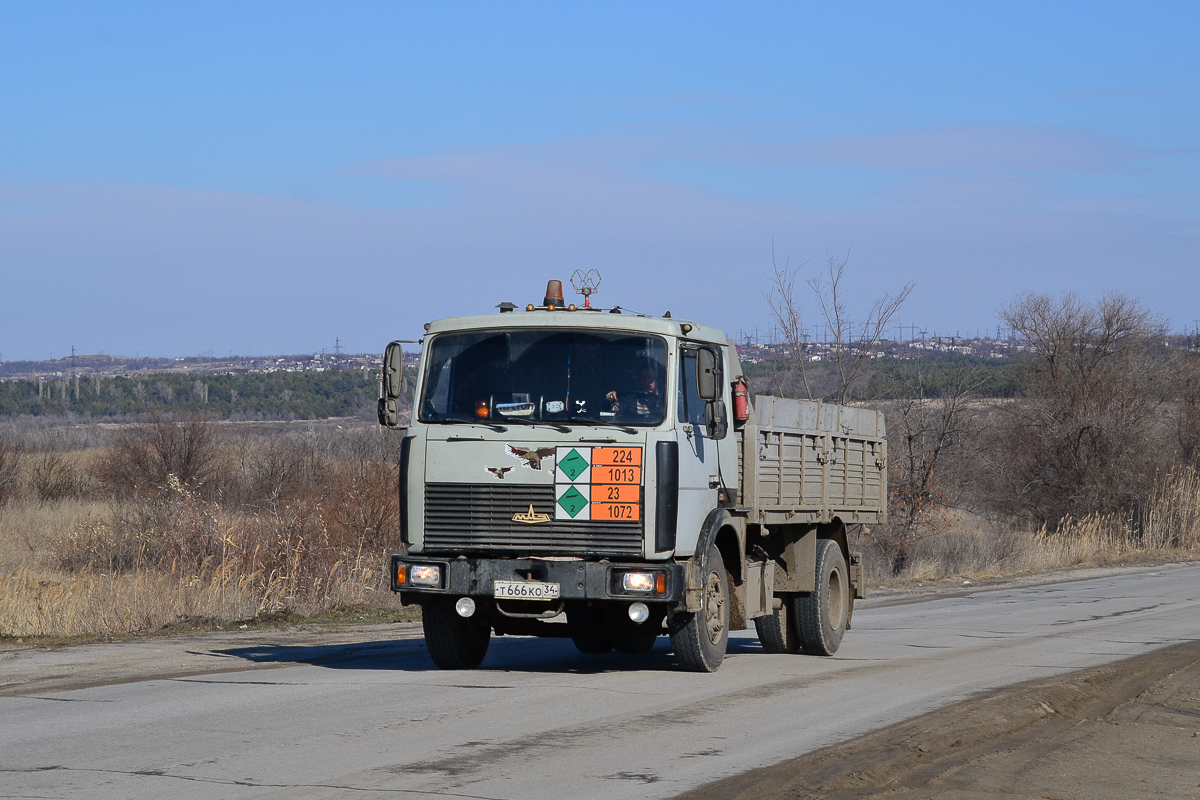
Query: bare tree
x=786 y=310
x=853 y=344
x=1082 y=441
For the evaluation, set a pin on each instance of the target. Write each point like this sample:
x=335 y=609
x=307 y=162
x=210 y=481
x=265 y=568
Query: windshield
x=550 y=375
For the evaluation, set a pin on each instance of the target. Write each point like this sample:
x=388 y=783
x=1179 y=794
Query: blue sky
x=267 y=177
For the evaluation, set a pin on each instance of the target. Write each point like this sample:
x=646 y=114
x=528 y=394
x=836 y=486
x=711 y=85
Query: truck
x=602 y=475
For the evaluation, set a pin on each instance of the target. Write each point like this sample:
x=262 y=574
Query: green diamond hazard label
x=573 y=502
x=572 y=464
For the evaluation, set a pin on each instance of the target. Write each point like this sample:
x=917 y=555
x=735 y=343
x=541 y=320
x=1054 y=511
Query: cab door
x=698 y=476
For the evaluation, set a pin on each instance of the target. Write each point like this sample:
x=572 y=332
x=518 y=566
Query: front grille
x=466 y=517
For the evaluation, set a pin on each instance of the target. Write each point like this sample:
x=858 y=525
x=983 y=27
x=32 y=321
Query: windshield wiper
x=547 y=423
x=602 y=423
x=496 y=428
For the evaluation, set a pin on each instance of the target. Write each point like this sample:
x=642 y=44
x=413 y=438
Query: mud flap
x=858 y=591
x=856 y=577
x=695 y=586
x=760 y=585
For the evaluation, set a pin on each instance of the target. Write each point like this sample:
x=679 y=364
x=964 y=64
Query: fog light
x=465 y=606
x=638 y=612
x=425 y=575
x=638 y=581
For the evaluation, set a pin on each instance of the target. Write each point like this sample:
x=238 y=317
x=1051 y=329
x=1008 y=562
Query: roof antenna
x=586 y=284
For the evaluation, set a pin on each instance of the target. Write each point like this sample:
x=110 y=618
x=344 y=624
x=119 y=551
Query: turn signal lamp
x=401 y=574
x=425 y=575
x=554 y=295
x=660 y=583
x=481 y=409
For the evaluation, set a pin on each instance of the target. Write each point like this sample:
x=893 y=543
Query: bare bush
x=10 y=470
x=145 y=456
x=1184 y=372
x=54 y=477
x=1082 y=441
x=282 y=469
x=923 y=435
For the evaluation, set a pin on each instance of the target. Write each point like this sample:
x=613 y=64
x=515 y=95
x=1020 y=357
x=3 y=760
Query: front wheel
x=699 y=638
x=821 y=615
x=454 y=642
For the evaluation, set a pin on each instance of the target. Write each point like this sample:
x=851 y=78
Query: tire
x=592 y=645
x=454 y=642
x=699 y=638
x=636 y=643
x=821 y=616
x=777 y=631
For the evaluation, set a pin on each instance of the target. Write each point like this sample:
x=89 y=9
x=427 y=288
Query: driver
x=645 y=402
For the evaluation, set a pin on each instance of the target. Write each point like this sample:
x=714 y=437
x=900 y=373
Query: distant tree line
x=888 y=378
x=273 y=395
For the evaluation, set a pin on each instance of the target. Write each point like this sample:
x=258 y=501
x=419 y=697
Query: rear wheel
x=821 y=616
x=699 y=638
x=454 y=642
x=777 y=631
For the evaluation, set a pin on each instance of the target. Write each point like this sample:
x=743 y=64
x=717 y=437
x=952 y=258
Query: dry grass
x=1166 y=529
x=137 y=562
x=302 y=523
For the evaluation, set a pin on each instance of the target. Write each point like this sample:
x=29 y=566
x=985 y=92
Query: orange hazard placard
x=616 y=474
x=616 y=512
x=616 y=456
x=616 y=493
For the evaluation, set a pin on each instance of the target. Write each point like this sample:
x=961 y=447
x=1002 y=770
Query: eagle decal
x=530 y=458
x=499 y=472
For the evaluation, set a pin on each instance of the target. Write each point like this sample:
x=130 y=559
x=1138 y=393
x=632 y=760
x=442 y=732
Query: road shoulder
x=1123 y=730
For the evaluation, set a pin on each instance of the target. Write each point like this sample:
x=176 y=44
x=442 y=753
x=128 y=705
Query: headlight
x=425 y=575
x=638 y=581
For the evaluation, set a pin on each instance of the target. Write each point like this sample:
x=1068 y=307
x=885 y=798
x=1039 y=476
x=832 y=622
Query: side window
x=691 y=407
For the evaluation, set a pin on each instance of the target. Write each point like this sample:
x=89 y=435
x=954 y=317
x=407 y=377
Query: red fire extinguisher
x=741 y=401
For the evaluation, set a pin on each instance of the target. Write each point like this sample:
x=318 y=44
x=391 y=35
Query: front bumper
x=577 y=580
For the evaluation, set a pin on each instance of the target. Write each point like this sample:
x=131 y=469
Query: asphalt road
x=374 y=719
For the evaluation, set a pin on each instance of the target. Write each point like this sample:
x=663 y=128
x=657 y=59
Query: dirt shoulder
x=1129 y=729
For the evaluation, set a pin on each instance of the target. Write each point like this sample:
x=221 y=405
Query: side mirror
x=393 y=385
x=708 y=374
x=393 y=371
x=715 y=419
x=389 y=413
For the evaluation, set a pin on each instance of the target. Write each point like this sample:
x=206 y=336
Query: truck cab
x=574 y=471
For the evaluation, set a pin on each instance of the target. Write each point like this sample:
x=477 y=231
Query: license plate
x=525 y=590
